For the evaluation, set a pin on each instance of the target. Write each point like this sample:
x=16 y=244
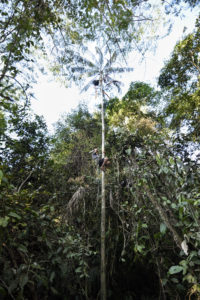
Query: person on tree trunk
x=101 y=162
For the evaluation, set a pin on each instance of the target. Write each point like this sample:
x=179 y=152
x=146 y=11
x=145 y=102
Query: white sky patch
x=52 y=100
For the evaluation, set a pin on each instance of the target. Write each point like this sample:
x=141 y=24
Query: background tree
x=136 y=111
x=50 y=233
x=180 y=80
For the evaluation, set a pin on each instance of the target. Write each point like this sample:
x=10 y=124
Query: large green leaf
x=4 y=221
x=14 y=215
x=23 y=280
x=163 y=228
x=175 y=269
x=1 y=176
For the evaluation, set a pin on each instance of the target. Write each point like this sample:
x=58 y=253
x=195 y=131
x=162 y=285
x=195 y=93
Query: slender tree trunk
x=103 y=206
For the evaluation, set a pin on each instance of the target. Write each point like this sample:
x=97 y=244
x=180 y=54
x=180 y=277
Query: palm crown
x=100 y=69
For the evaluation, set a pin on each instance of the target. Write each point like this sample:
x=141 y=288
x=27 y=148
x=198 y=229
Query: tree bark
x=103 y=206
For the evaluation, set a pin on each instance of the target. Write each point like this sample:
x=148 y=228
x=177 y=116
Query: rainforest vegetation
x=67 y=229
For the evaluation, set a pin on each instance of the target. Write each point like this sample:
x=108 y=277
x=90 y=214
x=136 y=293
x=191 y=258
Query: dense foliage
x=50 y=188
x=50 y=207
x=180 y=78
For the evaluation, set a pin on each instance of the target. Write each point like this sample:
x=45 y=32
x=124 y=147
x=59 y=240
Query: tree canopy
x=50 y=187
x=180 y=78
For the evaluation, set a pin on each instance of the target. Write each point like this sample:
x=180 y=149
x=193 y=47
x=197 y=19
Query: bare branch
x=21 y=185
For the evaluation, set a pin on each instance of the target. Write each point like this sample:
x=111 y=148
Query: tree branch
x=21 y=185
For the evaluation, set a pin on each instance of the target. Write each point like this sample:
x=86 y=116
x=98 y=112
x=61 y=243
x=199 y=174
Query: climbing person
x=95 y=155
x=102 y=162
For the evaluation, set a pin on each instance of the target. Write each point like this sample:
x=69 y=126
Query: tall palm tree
x=99 y=71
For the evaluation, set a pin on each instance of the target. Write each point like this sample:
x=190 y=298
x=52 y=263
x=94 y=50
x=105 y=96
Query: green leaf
x=78 y=270
x=54 y=291
x=36 y=266
x=139 y=248
x=1 y=176
x=12 y=286
x=22 y=248
x=3 y=292
x=4 y=221
x=165 y=170
x=23 y=280
x=158 y=159
x=14 y=215
x=52 y=276
x=163 y=228
x=175 y=280
x=144 y=225
x=171 y=160
x=175 y=269
x=190 y=278
x=128 y=151
x=164 y=281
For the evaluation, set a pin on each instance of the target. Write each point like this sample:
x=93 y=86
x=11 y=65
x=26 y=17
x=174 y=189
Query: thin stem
x=21 y=185
x=103 y=205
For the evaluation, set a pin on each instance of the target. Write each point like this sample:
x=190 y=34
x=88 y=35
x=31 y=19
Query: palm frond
x=94 y=57
x=89 y=71
x=116 y=53
x=84 y=61
x=99 y=52
x=116 y=83
x=80 y=70
x=75 y=202
x=88 y=85
x=111 y=70
x=121 y=51
x=111 y=60
x=93 y=73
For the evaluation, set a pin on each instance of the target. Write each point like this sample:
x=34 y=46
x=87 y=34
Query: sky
x=52 y=100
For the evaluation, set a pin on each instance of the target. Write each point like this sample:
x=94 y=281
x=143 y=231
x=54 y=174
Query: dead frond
x=75 y=202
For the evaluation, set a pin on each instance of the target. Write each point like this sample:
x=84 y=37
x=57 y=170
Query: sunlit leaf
x=4 y=221
x=175 y=269
x=163 y=228
x=14 y=215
